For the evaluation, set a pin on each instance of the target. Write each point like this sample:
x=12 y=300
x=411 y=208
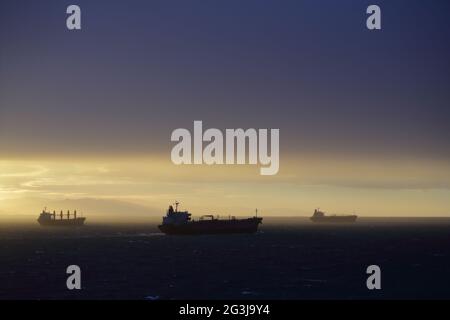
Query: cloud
x=155 y=183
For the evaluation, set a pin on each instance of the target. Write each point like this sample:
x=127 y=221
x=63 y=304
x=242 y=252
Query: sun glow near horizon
x=367 y=187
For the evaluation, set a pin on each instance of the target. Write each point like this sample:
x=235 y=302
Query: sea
x=288 y=259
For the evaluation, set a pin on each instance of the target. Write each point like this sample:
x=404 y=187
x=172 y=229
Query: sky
x=86 y=116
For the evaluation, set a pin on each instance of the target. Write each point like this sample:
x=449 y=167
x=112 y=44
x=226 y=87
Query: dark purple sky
x=139 y=69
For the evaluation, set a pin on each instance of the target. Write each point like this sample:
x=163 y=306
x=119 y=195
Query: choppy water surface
x=287 y=259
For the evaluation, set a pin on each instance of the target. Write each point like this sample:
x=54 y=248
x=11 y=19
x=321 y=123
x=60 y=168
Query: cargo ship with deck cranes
x=54 y=219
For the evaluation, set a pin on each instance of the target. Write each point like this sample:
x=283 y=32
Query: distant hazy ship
x=50 y=219
x=320 y=216
x=179 y=222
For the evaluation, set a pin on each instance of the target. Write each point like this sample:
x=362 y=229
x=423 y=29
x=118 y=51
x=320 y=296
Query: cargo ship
x=52 y=219
x=180 y=223
x=320 y=216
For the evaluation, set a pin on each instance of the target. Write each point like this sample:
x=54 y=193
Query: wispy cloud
x=301 y=184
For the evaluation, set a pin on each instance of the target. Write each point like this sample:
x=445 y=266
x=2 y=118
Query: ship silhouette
x=51 y=219
x=319 y=216
x=180 y=222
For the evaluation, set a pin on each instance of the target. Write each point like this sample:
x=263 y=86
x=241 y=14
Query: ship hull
x=334 y=219
x=213 y=227
x=78 y=222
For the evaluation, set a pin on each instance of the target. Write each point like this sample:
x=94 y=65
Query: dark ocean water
x=287 y=259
